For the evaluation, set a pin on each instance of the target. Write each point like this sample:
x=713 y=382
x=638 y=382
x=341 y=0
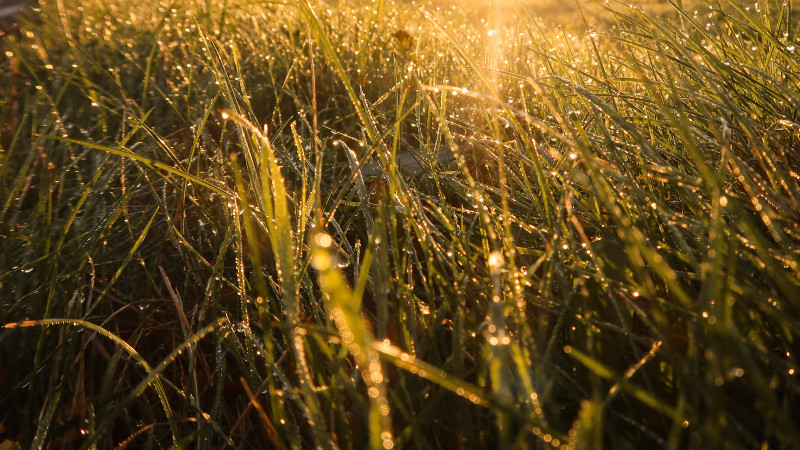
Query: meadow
x=424 y=225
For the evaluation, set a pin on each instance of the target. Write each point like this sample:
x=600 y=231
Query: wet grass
x=294 y=224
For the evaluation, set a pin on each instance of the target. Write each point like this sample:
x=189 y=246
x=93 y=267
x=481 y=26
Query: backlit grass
x=400 y=225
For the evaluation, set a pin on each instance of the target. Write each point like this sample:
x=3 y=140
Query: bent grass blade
x=162 y=395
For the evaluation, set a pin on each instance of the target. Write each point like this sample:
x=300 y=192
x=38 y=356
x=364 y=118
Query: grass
x=208 y=239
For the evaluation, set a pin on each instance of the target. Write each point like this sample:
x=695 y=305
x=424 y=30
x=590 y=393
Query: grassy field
x=415 y=225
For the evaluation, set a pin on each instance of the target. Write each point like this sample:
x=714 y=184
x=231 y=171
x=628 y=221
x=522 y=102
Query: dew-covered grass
x=299 y=224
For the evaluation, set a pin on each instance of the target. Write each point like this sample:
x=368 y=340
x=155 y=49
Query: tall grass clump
x=394 y=225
